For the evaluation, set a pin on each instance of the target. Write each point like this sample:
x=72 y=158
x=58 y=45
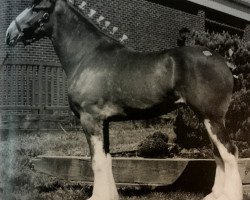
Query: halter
x=36 y=23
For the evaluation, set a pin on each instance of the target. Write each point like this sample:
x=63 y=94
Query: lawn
x=19 y=181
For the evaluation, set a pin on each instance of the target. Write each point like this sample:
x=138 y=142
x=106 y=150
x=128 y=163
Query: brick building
x=150 y=25
x=228 y=15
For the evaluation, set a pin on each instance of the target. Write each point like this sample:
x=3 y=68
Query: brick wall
x=150 y=27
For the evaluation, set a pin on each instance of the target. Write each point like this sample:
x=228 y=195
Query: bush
x=238 y=116
x=190 y=131
x=230 y=47
x=156 y=146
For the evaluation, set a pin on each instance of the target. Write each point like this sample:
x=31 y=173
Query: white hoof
x=224 y=197
x=210 y=197
x=94 y=197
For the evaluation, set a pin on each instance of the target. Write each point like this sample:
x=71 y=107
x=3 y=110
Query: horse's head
x=31 y=24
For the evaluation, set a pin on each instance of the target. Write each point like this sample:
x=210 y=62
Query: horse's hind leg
x=219 y=181
x=104 y=185
x=227 y=185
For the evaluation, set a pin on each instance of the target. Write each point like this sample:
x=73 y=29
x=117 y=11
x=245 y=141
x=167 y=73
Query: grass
x=18 y=180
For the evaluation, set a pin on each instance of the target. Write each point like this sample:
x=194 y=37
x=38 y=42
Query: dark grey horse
x=107 y=82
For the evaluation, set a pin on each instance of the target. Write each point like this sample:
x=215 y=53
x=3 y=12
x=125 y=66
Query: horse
x=108 y=81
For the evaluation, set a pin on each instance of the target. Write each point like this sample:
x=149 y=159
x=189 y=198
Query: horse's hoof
x=116 y=197
x=224 y=197
x=210 y=197
x=93 y=198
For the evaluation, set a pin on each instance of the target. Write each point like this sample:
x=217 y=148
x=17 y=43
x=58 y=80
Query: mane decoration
x=92 y=13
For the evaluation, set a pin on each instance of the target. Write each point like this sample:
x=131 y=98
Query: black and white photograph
x=125 y=100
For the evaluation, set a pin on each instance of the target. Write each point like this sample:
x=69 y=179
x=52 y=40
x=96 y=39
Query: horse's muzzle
x=13 y=36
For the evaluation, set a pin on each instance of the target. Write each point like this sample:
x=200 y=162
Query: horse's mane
x=79 y=13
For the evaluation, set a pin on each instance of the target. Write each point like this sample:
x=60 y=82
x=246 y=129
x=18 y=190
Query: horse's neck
x=74 y=39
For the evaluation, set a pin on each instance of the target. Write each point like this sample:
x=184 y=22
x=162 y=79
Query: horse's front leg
x=104 y=184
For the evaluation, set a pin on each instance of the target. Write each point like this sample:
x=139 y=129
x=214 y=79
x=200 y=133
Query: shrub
x=238 y=116
x=190 y=131
x=156 y=146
